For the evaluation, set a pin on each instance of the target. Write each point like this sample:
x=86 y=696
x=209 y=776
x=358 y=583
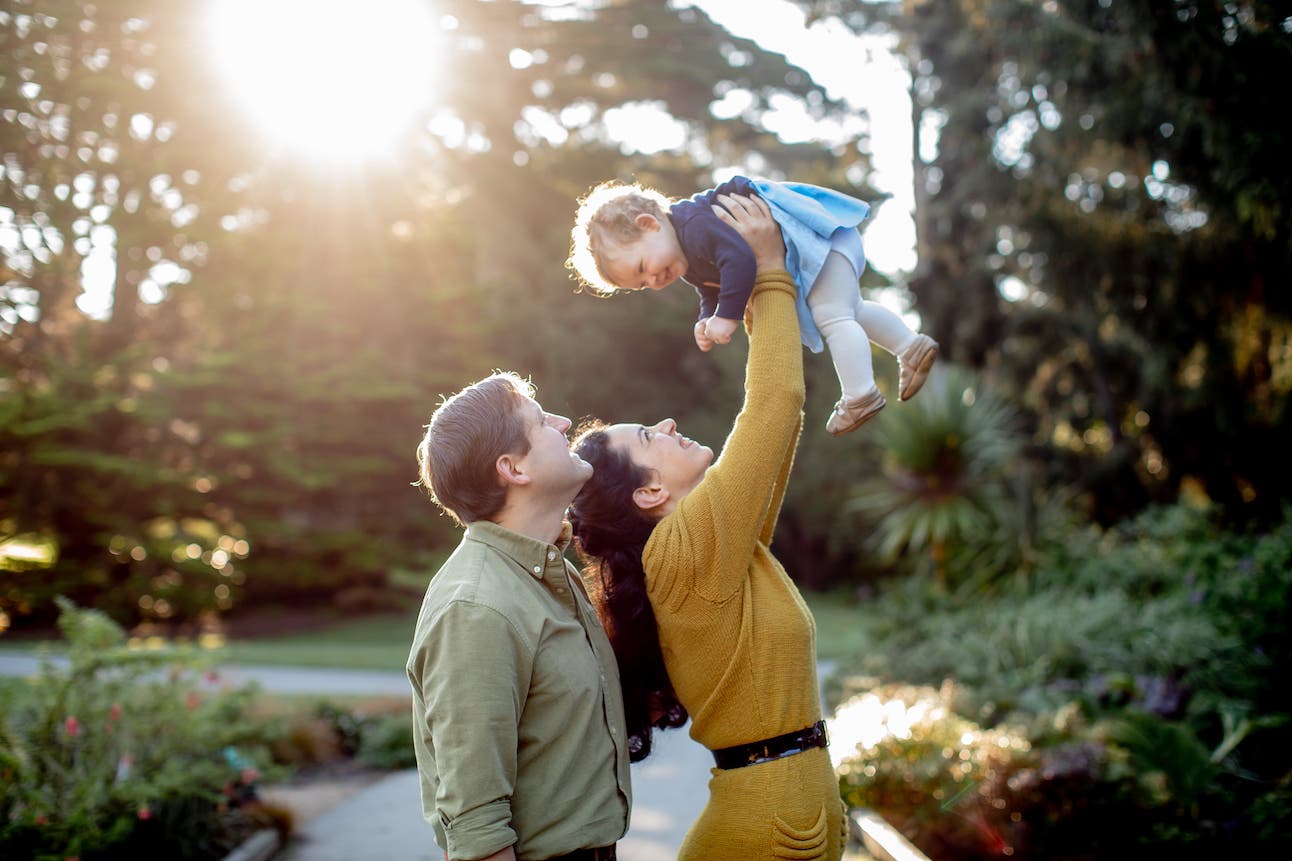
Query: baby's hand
x=702 y=339
x=720 y=329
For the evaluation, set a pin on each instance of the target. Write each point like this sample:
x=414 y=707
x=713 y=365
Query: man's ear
x=650 y=496
x=646 y=221
x=508 y=468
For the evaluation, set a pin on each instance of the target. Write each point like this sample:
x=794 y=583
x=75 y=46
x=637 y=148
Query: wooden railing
x=882 y=840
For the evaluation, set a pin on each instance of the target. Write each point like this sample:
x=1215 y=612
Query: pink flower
x=115 y=712
x=72 y=726
x=144 y=812
x=250 y=775
x=212 y=677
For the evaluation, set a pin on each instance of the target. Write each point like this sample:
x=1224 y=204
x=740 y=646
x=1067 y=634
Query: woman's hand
x=752 y=219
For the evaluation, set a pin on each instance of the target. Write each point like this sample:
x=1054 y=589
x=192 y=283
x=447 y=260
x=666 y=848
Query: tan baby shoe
x=851 y=413
x=916 y=361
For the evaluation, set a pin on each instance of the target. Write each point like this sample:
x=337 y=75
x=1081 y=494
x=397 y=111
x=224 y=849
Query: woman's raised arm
x=743 y=488
x=752 y=219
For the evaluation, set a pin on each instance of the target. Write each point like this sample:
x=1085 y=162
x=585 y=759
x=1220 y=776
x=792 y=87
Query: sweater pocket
x=797 y=843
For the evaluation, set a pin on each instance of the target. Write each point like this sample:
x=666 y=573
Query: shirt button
x=551 y=554
x=538 y=569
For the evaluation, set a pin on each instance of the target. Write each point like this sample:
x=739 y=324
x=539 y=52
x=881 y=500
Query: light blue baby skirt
x=814 y=221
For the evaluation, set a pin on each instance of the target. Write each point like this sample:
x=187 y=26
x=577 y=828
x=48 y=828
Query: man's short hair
x=468 y=432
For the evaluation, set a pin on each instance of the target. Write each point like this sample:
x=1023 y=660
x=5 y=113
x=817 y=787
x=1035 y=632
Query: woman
x=703 y=618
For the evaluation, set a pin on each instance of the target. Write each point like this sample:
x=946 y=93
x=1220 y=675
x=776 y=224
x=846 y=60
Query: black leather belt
x=601 y=853
x=772 y=748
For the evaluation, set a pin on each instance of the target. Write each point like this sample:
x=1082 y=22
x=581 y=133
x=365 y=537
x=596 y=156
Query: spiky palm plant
x=942 y=479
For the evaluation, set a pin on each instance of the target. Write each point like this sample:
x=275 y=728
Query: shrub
x=960 y=791
x=942 y=488
x=1061 y=787
x=387 y=742
x=124 y=753
x=1142 y=665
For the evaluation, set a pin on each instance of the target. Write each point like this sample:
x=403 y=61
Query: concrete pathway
x=385 y=820
x=276 y=680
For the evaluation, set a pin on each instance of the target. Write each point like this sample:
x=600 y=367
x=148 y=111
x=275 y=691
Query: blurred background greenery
x=1103 y=239
x=220 y=338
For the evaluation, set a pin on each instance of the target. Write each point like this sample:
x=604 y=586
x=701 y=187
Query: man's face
x=553 y=469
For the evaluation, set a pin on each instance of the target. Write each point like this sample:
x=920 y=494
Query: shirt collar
x=530 y=553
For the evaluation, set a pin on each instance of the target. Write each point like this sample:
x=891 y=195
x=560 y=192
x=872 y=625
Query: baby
x=628 y=237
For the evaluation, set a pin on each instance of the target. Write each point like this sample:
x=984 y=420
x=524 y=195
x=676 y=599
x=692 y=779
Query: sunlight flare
x=327 y=80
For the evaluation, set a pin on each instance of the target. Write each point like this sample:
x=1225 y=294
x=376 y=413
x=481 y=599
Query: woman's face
x=676 y=463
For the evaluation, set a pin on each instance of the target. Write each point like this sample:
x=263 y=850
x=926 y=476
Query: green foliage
x=1143 y=667
x=942 y=488
x=123 y=753
x=1167 y=750
x=960 y=791
x=376 y=736
x=1010 y=649
x=275 y=390
x=1103 y=223
x=387 y=742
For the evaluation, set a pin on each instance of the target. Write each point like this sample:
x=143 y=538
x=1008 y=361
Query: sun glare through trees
x=322 y=81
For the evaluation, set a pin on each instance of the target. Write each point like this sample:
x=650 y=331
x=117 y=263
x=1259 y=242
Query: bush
x=125 y=754
x=1059 y=787
x=376 y=733
x=387 y=742
x=1141 y=665
x=960 y=791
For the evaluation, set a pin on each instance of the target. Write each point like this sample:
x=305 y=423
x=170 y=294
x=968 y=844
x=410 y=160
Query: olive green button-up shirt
x=517 y=713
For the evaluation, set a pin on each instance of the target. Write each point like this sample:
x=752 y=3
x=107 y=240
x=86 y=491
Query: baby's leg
x=915 y=353
x=834 y=301
x=884 y=327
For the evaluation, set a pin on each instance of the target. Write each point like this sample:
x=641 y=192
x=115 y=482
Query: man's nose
x=561 y=423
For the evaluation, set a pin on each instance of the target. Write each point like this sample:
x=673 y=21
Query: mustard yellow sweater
x=738 y=640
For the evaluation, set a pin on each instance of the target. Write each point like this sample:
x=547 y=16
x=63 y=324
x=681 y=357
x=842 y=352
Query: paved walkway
x=385 y=820
x=277 y=680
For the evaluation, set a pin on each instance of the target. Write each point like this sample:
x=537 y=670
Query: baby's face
x=651 y=262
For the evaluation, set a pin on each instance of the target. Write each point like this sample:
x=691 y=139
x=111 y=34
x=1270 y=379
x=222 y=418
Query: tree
x=1103 y=218
x=102 y=177
x=239 y=418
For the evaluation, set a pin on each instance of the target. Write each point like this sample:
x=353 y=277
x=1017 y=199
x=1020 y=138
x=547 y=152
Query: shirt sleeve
x=709 y=238
x=477 y=668
x=736 y=271
x=708 y=301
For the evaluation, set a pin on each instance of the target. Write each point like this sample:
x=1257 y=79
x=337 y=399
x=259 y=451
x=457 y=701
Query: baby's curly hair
x=606 y=220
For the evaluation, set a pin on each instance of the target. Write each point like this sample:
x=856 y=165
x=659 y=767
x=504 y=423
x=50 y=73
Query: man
x=518 y=716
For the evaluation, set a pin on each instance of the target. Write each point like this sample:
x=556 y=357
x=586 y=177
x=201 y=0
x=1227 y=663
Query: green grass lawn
x=381 y=642
x=372 y=643
x=839 y=635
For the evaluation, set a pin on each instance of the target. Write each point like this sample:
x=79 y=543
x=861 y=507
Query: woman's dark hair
x=610 y=532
